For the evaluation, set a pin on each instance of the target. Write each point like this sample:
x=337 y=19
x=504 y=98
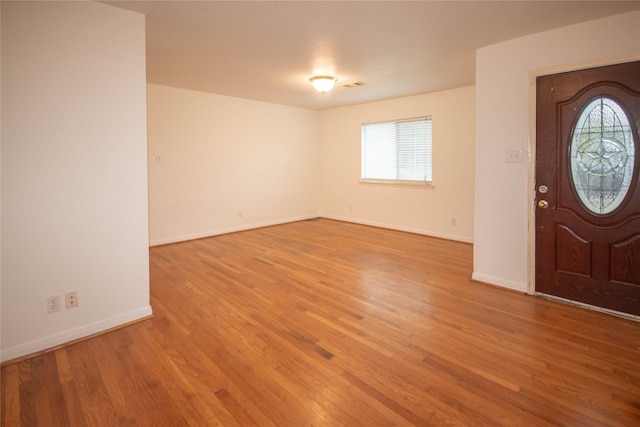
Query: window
x=397 y=152
x=602 y=155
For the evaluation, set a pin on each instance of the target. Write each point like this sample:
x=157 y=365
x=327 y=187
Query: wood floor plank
x=95 y=402
x=117 y=381
x=50 y=402
x=28 y=392
x=10 y=395
x=70 y=391
x=328 y=323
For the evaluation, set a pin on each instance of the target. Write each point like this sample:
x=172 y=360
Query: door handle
x=543 y=204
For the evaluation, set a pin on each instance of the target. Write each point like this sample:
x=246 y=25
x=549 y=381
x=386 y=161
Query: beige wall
x=505 y=88
x=227 y=164
x=74 y=184
x=430 y=211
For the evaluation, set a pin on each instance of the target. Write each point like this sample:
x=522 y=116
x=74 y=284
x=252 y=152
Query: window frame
x=397 y=182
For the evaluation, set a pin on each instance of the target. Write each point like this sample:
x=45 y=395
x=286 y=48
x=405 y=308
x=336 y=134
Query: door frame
x=531 y=173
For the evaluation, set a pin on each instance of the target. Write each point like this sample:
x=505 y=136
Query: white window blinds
x=397 y=151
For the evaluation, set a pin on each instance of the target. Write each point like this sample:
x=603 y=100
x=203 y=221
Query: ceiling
x=268 y=50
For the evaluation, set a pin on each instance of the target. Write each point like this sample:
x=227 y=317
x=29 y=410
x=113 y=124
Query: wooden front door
x=587 y=239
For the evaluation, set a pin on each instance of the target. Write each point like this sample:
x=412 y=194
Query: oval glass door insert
x=602 y=155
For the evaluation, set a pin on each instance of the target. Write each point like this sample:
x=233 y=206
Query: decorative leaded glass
x=602 y=155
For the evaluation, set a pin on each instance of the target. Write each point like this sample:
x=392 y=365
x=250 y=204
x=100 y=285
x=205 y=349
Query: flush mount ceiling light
x=323 y=83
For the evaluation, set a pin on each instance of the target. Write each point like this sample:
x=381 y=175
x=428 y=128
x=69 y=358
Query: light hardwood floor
x=326 y=323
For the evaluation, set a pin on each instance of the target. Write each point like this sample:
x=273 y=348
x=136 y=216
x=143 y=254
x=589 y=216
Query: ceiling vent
x=354 y=84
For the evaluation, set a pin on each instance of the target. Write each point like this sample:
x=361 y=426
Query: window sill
x=399 y=183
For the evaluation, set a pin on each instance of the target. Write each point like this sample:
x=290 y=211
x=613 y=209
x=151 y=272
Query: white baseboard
x=73 y=334
x=186 y=237
x=400 y=228
x=497 y=281
x=234 y=229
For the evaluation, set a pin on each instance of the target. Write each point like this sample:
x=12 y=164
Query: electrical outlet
x=54 y=303
x=71 y=299
x=515 y=156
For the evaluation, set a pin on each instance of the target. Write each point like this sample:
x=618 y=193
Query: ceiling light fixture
x=323 y=83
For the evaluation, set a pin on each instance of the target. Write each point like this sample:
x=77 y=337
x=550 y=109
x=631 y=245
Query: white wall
x=227 y=164
x=74 y=176
x=505 y=120
x=422 y=210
